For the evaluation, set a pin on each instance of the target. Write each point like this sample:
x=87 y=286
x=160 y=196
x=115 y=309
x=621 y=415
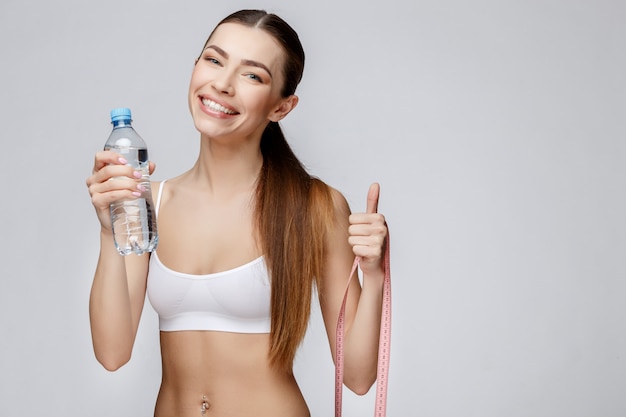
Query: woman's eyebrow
x=218 y=50
x=248 y=62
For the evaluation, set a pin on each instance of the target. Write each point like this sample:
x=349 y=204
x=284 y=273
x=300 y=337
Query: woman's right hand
x=112 y=180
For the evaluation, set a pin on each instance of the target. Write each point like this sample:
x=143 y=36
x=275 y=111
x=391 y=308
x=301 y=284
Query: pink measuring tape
x=384 y=345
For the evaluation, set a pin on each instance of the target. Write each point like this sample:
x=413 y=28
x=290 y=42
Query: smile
x=217 y=107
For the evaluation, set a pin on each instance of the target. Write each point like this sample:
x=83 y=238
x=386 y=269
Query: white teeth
x=215 y=106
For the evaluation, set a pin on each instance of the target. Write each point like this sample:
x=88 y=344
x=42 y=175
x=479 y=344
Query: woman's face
x=235 y=85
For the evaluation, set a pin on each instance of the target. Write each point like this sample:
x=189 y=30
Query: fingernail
x=123 y=161
x=137 y=174
x=140 y=187
x=136 y=193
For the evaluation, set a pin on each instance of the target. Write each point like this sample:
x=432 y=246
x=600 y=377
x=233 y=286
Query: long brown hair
x=293 y=209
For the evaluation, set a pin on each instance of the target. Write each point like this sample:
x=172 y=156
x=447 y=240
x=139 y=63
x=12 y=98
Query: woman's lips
x=217 y=107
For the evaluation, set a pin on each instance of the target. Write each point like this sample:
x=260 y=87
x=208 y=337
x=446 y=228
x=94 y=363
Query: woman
x=243 y=235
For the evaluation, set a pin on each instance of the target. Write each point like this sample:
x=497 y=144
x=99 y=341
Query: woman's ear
x=286 y=105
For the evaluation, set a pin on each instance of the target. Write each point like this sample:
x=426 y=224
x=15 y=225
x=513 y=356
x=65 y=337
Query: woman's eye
x=212 y=60
x=254 y=77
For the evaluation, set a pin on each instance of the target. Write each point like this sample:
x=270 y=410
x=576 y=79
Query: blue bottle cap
x=121 y=113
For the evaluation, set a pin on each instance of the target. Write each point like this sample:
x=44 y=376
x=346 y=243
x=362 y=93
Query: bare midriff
x=230 y=372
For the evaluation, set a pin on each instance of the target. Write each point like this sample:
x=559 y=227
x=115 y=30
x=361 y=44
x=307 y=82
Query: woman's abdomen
x=231 y=371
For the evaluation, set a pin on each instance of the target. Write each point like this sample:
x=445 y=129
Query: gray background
x=496 y=129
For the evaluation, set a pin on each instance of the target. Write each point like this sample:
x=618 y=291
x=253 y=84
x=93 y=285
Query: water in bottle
x=133 y=221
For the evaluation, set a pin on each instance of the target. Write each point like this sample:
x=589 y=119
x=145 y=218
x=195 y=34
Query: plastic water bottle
x=133 y=221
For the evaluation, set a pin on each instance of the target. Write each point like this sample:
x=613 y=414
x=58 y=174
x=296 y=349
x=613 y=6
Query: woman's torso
x=202 y=235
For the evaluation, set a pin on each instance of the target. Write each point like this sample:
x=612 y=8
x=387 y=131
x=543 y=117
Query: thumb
x=372 y=198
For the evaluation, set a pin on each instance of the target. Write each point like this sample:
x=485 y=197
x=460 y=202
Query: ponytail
x=293 y=210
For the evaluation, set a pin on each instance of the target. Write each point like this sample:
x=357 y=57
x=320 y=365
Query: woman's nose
x=223 y=82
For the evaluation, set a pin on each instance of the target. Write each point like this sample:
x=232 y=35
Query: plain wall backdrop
x=496 y=130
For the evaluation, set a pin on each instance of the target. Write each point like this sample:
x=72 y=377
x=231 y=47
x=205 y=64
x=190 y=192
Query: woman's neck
x=227 y=167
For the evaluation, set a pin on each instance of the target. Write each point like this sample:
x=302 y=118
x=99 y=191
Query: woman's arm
x=116 y=302
x=362 y=235
x=119 y=284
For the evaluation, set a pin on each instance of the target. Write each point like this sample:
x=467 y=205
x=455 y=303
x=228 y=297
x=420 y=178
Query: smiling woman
x=232 y=63
x=244 y=235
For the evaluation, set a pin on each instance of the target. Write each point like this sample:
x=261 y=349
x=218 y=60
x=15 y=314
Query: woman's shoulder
x=167 y=183
x=329 y=198
x=161 y=190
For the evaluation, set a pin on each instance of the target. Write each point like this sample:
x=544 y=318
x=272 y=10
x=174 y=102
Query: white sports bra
x=237 y=300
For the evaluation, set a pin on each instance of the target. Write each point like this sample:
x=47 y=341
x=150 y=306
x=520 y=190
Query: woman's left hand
x=367 y=234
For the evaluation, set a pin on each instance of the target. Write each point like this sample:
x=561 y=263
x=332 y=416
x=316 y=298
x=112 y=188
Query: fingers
x=107 y=158
x=371 y=215
x=115 y=189
x=372 y=198
x=109 y=164
x=367 y=231
x=104 y=158
x=368 y=240
x=113 y=180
